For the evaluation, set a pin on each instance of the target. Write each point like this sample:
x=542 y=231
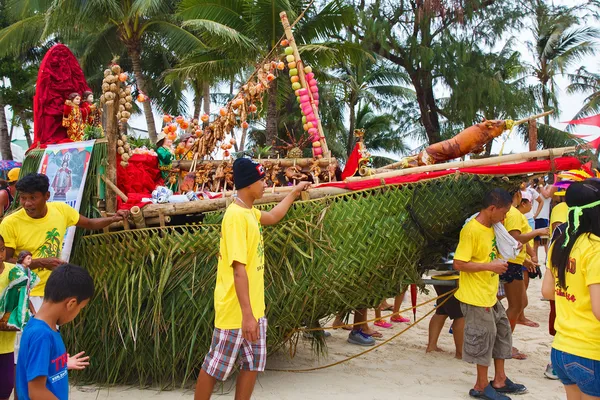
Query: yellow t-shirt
x=43 y=237
x=577 y=329
x=515 y=221
x=241 y=241
x=560 y=213
x=7 y=338
x=477 y=244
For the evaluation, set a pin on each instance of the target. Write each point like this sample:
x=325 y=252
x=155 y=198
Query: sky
x=569 y=104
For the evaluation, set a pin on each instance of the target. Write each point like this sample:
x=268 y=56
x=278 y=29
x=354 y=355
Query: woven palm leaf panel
x=152 y=317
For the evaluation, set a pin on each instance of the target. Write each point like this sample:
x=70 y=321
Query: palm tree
x=558 y=44
x=105 y=27
x=382 y=132
x=585 y=82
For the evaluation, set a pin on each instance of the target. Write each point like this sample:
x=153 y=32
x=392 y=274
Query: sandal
x=489 y=393
x=375 y=335
x=511 y=388
x=382 y=323
x=529 y=323
x=399 y=318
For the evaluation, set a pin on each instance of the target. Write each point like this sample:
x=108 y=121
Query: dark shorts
x=514 y=272
x=487 y=334
x=7 y=374
x=451 y=307
x=575 y=370
x=541 y=223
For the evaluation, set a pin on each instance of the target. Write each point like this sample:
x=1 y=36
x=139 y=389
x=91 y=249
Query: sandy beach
x=398 y=370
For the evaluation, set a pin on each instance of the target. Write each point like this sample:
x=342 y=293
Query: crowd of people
x=497 y=254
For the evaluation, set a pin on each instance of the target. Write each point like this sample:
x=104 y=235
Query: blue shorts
x=541 y=223
x=531 y=223
x=575 y=370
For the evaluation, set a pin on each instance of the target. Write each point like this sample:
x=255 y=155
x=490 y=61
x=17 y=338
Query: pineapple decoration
x=116 y=90
x=308 y=97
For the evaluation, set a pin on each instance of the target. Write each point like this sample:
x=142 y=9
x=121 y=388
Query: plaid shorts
x=228 y=344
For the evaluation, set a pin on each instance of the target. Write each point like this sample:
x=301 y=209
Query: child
x=573 y=282
x=240 y=323
x=7 y=336
x=517 y=226
x=42 y=365
x=487 y=330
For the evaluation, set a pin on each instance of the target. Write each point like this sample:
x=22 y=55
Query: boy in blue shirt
x=42 y=363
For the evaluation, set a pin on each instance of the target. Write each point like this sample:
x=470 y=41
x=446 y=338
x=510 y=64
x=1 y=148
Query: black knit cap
x=246 y=172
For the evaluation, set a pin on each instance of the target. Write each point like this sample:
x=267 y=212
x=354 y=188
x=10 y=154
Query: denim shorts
x=575 y=370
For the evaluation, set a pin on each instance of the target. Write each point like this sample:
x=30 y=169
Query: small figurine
x=315 y=170
x=15 y=308
x=218 y=177
x=72 y=118
x=86 y=108
x=165 y=154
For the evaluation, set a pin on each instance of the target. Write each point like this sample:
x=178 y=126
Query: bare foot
x=528 y=322
x=385 y=306
x=458 y=356
x=434 y=348
x=517 y=355
x=339 y=323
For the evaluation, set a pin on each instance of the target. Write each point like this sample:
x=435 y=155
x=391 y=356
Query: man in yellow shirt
x=487 y=330
x=240 y=323
x=40 y=227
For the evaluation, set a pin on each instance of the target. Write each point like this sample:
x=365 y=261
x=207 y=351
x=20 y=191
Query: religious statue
x=164 y=151
x=62 y=181
x=73 y=118
x=59 y=75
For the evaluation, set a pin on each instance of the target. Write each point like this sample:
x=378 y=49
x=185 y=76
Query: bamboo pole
x=470 y=163
x=533 y=135
x=522 y=121
x=147 y=223
x=283 y=162
x=112 y=133
x=114 y=188
x=195 y=207
x=300 y=66
x=138 y=217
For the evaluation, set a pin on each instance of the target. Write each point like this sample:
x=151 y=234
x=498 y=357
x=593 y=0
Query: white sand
x=398 y=370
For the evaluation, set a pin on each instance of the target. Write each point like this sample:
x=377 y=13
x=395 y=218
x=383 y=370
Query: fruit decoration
x=115 y=84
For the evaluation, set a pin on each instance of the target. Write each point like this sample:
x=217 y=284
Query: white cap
x=526 y=195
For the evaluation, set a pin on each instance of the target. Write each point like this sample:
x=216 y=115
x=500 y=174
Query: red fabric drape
x=352 y=163
x=138 y=180
x=59 y=76
x=562 y=163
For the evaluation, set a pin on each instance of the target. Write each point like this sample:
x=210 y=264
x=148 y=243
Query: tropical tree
x=410 y=34
x=585 y=82
x=559 y=43
x=106 y=27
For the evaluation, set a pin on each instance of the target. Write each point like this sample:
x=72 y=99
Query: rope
x=371 y=320
x=371 y=348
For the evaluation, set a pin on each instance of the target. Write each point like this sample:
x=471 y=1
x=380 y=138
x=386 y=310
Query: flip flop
x=511 y=388
x=489 y=393
x=375 y=335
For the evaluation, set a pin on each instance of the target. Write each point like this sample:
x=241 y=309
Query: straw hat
x=161 y=136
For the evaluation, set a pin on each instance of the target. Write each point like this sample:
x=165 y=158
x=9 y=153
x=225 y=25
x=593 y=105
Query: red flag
x=594 y=121
x=413 y=299
x=352 y=163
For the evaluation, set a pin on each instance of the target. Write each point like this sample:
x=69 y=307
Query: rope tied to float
x=447 y=297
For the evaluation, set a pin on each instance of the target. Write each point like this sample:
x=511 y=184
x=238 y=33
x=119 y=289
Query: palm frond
x=21 y=35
